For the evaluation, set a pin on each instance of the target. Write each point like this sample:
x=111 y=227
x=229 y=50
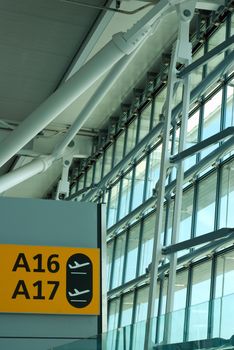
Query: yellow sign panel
x=49 y=280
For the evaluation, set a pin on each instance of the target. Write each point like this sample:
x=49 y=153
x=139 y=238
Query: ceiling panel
x=38 y=40
x=40 y=34
x=53 y=10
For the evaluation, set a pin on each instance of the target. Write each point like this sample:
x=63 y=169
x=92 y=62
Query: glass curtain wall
x=204 y=289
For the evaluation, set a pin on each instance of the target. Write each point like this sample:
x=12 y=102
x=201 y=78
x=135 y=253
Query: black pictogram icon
x=79 y=280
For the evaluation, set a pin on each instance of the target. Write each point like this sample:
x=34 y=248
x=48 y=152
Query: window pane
x=159 y=102
x=217 y=38
x=153 y=172
x=132 y=252
x=109 y=256
x=180 y=290
x=141 y=304
x=89 y=177
x=113 y=205
x=119 y=148
x=73 y=190
x=126 y=318
x=163 y=309
x=186 y=215
x=227 y=196
x=212 y=111
x=201 y=283
x=225 y=275
x=140 y=315
x=139 y=181
x=224 y=307
x=156 y=302
x=191 y=138
x=126 y=311
x=108 y=160
x=144 y=122
x=198 y=322
x=147 y=243
x=113 y=314
x=171 y=204
x=211 y=124
x=177 y=331
x=164 y=296
x=118 y=261
x=177 y=98
x=98 y=170
x=131 y=133
x=230 y=106
x=196 y=75
x=206 y=205
x=81 y=182
x=125 y=195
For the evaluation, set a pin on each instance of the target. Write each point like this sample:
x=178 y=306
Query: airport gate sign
x=49 y=280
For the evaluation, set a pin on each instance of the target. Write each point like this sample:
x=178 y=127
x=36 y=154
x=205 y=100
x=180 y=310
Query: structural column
x=181 y=54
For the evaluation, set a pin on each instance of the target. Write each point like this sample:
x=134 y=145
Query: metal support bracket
x=63 y=188
x=209 y=55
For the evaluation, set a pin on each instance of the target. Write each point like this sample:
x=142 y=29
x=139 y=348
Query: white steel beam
x=61 y=146
x=37 y=166
x=121 y=44
x=95 y=100
x=59 y=101
x=127 y=43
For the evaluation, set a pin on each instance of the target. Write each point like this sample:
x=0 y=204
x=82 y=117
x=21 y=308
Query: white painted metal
x=160 y=188
x=38 y=165
x=19 y=175
x=180 y=54
x=90 y=107
x=87 y=111
x=59 y=101
x=127 y=43
x=120 y=45
x=64 y=185
x=59 y=149
x=185 y=57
